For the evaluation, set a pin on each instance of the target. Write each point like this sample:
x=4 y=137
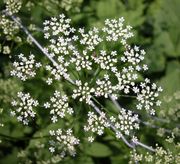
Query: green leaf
x=171 y=81
x=10 y=158
x=97 y=149
x=108 y=9
x=80 y=160
x=165 y=16
x=119 y=159
x=164 y=41
x=155 y=59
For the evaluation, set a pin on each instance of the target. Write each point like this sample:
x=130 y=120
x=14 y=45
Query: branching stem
x=131 y=145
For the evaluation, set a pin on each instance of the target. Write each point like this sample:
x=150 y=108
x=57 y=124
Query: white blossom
x=96 y=124
x=81 y=60
x=94 y=70
x=25 y=68
x=23 y=107
x=115 y=30
x=57 y=72
x=104 y=87
x=90 y=39
x=58 y=106
x=13 y=6
x=106 y=60
x=63 y=142
x=126 y=122
x=133 y=55
x=147 y=96
x=83 y=91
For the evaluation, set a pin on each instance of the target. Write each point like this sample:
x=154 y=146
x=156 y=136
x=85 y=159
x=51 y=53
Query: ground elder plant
x=93 y=66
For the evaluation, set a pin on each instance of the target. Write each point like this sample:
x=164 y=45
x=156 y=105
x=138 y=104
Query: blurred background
x=156 y=25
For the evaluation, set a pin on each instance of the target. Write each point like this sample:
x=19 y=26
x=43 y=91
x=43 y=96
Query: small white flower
x=46 y=105
x=134 y=139
x=113 y=119
x=14 y=103
x=13 y=113
x=158 y=103
x=52 y=149
x=118 y=135
x=90 y=139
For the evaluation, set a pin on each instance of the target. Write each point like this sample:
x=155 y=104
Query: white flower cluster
x=83 y=91
x=127 y=122
x=62 y=39
x=94 y=71
x=146 y=95
x=106 y=61
x=133 y=55
x=96 y=124
x=58 y=106
x=105 y=88
x=90 y=39
x=13 y=6
x=6 y=50
x=25 y=68
x=24 y=107
x=82 y=49
x=81 y=61
x=63 y=142
x=115 y=30
x=9 y=27
x=58 y=30
x=57 y=72
x=126 y=79
x=129 y=74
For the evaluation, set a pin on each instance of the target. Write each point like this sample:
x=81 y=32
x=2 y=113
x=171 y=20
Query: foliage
x=156 y=28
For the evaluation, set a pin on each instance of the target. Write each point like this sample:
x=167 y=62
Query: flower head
x=58 y=106
x=25 y=68
x=63 y=142
x=24 y=107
